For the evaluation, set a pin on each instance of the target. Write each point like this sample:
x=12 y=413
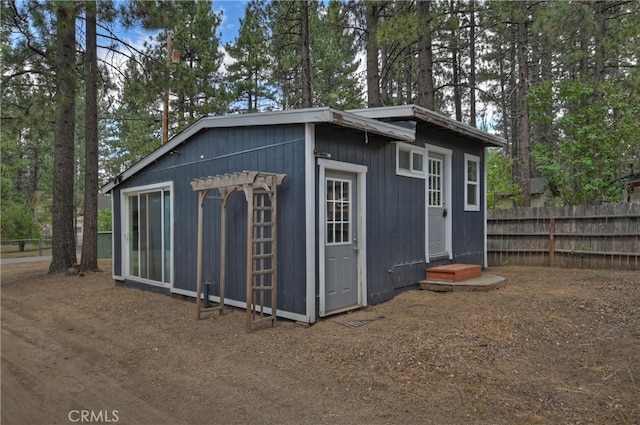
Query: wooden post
x=248 y=191
x=201 y=200
x=223 y=246
x=274 y=251
x=552 y=242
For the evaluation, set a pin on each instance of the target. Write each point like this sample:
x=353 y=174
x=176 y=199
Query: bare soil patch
x=552 y=347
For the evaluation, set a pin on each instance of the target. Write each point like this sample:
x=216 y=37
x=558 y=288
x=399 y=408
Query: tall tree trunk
x=408 y=92
x=89 y=259
x=524 y=157
x=455 y=65
x=373 y=68
x=385 y=77
x=306 y=56
x=426 y=96
x=504 y=105
x=600 y=35
x=63 y=242
x=513 y=103
x=472 y=64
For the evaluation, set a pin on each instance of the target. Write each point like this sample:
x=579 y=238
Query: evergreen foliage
x=558 y=80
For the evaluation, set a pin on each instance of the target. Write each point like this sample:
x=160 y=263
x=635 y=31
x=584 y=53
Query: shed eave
x=381 y=128
x=420 y=113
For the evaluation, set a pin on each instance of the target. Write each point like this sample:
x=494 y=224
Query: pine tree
x=286 y=64
x=26 y=131
x=249 y=74
x=194 y=84
x=89 y=258
x=63 y=240
x=136 y=121
x=334 y=63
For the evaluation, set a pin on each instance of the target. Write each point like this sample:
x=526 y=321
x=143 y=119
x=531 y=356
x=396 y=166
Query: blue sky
x=233 y=11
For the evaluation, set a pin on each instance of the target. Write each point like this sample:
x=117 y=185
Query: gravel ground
x=552 y=347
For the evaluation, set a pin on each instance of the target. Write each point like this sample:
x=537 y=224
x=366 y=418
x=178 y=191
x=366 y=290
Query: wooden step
x=454 y=272
x=486 y=282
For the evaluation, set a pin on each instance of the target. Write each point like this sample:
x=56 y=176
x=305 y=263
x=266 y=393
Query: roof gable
x=294 y=116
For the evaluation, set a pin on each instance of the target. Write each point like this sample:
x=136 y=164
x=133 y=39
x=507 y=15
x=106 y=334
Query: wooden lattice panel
x=254 y=178
x=260 y=191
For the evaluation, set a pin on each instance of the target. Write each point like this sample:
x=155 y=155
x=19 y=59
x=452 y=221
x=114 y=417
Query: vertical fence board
x=583 y=236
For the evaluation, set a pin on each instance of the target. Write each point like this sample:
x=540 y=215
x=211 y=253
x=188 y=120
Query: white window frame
x=412 y=150
x=124 y=220
x=349 y=221
x=467 y=206
x=439 y=190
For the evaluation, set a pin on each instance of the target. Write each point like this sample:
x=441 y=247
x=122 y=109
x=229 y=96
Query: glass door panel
x=150 y=235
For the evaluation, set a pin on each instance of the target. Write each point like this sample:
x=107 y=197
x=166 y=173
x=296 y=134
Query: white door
x=437 y=204
x=341 y=243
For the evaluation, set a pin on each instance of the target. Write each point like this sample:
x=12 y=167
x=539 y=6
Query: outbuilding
x=367 y=200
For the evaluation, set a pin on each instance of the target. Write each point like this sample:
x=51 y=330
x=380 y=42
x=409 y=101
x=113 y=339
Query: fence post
x=40 y=247
x=552 y=242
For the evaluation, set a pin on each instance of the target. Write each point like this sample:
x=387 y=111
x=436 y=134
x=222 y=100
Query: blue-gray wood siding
x=276 y=149
x=395 y=211
x=395 y=207
x=396 y=216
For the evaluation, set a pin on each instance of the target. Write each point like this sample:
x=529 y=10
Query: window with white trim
x=148 y=234
x=338 y=216
x=471 y=182
x=409 y=160
x=434 y=173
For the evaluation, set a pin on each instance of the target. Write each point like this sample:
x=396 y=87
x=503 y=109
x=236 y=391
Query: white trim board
x=310 y=220
x=242 y=304
x=124 y=231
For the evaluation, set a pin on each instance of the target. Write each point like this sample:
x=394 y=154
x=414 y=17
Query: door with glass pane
x=149 y=235
x=341 y=244
x=437 y=204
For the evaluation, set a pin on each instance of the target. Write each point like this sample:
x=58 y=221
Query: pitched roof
x=294 y=116
x=418 y=113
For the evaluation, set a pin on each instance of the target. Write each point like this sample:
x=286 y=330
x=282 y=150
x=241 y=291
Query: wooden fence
x=594 y=237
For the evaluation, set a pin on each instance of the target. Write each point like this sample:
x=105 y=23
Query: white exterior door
x=342 y=245
x=437 y=204
x=341 y=241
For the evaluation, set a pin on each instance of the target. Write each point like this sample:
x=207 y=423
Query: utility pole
x=172 y=57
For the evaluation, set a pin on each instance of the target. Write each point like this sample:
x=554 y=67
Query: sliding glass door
x=149 y=234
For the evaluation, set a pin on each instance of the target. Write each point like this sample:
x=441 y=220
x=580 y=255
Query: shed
x=370 y=200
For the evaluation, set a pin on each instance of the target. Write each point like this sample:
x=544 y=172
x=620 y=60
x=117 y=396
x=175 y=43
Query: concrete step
x=454 y=272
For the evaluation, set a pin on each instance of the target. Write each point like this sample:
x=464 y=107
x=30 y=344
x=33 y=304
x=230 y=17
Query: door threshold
x=439 y=257
x=342 y=310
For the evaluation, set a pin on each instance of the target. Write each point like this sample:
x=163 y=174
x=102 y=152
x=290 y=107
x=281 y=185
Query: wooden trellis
x=260 y=191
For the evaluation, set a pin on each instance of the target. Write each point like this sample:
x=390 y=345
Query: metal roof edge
x=392 y=131
x=153 y=156
x=427 y=115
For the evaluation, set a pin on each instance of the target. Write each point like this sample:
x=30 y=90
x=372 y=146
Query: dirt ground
x=552 y=347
